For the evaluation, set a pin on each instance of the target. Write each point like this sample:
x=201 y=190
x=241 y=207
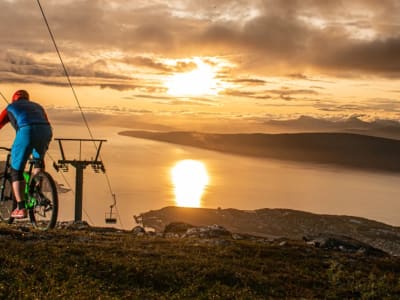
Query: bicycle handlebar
x=5 y=148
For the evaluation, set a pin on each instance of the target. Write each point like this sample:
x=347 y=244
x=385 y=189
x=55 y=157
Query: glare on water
x=189 y=178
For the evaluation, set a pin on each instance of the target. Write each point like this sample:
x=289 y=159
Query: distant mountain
x=277 y=223
x=344 y=149
x=307 y=122
x=379 y=127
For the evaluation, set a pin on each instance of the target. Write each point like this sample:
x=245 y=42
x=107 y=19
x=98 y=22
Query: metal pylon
x=79 y=165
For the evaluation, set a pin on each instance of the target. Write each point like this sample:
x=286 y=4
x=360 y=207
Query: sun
x=200 y=81
x=190 y=179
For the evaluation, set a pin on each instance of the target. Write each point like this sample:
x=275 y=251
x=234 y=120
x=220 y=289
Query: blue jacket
x=24 y=112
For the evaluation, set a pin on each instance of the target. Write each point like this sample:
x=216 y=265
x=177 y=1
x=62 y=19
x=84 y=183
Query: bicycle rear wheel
x=44 y=198
x=7 y=202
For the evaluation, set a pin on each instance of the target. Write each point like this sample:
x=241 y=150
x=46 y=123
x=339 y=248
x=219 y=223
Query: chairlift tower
x=79 y=165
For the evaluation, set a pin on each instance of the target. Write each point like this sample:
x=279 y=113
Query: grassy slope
x=87 y=264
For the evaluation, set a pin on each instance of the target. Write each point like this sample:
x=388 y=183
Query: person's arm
x=45 y=115
x=47 y=118
x=4 y=118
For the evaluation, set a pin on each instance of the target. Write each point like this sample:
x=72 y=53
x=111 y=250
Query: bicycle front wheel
x=44 y=198
x=7 y=201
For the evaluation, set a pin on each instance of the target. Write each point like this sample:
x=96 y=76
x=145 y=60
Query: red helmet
x=20 y=94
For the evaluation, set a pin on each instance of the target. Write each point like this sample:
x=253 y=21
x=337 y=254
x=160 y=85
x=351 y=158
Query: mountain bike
x=41 y=198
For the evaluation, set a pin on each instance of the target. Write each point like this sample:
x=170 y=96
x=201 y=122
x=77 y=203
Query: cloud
x=155 y=64
x=283 y=93
x=249 y=81
x=370 y=106
x=111 y=116
x=169 y=100
x=268 y=37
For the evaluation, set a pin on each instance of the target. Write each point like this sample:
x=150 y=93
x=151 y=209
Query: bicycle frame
x=40 y=194
x=30 y=201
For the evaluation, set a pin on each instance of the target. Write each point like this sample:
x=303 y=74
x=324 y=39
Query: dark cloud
x=131 y=86
x=147 y=62
x=238 y=93
x=298 y=76
x=146 y=96
x=291 y=94
x=280 y=38
x=19 y=64
x=370 y=106
x=155 y=64
x=283 y=93
x=249 y=81
x=375 y=57
x=117 y=86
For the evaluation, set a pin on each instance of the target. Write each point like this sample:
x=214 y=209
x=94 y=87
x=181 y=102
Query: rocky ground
x=281 y=223
x=76 y=261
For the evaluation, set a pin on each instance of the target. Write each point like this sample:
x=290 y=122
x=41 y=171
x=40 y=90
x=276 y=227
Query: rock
x=138 y=231
x=236 y=236
x=74 y=225
x=172 y=235
x=212 y=231
x=177 y=227
x=342 y=243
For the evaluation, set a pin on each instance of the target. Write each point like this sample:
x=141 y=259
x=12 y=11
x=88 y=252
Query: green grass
x=67 y=264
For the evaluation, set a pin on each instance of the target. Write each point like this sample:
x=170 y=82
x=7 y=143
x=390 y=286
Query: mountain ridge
x=334 y=148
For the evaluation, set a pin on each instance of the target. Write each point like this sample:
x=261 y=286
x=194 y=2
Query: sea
x=138 y=179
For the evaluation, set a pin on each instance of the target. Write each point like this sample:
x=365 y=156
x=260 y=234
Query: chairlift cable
x=62 y=174
x=87 y=215
x=70 y=84
x=64 y=68
x=4 y=98
x=118 y=216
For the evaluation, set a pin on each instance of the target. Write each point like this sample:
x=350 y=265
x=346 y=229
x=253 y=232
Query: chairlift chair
x=110 y=217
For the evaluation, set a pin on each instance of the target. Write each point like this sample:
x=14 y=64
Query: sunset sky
x=170 y=62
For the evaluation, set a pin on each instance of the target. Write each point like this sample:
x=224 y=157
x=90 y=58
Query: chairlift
x=110 y=217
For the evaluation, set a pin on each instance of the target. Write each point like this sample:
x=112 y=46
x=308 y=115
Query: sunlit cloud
x=222 y=58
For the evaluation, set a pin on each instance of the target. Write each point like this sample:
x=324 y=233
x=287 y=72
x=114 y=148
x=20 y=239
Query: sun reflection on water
x=189 y=178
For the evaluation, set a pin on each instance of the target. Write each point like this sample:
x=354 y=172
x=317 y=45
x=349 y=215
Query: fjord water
x=140 y=175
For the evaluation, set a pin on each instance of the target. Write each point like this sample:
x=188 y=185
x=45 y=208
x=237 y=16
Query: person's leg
x=19 y=190
x=20 y=152
x=42 y=135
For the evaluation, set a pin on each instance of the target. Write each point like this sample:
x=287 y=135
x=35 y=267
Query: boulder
x=178 y=228
x=212 y=231
x=138 y=231
x=342 y=243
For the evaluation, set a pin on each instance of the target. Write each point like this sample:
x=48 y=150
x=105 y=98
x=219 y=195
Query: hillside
x=77 y=261
x=277 y=223
x=344 y=149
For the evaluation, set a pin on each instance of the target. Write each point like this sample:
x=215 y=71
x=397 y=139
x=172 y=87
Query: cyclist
x=33 y=135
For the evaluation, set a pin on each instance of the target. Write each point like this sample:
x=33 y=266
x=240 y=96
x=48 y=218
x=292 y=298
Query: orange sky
x=183 y=62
